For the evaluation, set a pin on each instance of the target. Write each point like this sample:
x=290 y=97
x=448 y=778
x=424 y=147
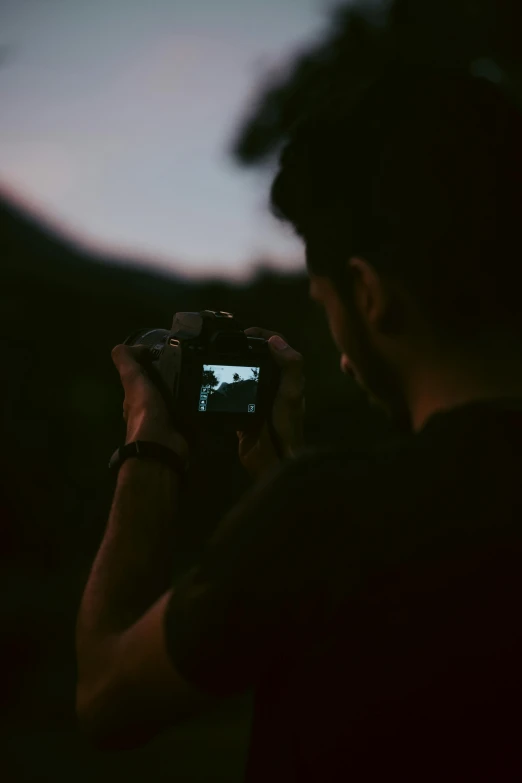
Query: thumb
x=127 y=358
x=291 y=363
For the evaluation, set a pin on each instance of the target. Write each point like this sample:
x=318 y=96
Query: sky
x=226 y=373
x=118 y=117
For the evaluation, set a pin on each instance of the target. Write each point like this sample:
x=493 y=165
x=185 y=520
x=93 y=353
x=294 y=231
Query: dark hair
x=421 y=174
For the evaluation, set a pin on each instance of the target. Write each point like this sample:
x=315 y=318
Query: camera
x=212 y=376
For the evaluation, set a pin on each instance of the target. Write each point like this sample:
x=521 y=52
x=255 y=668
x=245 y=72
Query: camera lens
x=154 y=339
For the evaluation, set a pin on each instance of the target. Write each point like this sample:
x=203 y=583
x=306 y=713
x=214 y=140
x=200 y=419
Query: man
x=371 y=600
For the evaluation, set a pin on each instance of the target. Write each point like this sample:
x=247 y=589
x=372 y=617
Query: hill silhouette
x=233 y=397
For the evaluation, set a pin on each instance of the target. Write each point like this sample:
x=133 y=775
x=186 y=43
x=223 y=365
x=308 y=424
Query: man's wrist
x=173 y=440
x=145 y=468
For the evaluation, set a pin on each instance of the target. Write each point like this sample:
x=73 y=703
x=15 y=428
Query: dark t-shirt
x=373 y=603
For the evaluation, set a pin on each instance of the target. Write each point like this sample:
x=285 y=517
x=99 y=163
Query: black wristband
x=142 y=449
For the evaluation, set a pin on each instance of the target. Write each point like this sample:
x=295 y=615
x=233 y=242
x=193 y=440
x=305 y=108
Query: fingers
x=255 y=331
x=289 y=403
x=127 y=359
x=293 y=382
x=291 y=390
x=291 y=362
x=122 y=357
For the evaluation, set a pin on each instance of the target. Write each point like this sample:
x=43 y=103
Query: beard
x=375 y=376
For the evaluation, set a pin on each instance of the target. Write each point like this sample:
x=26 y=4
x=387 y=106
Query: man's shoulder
x=325 y=472
x=328 y=459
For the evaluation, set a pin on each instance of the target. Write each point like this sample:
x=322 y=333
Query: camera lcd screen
x=228 y=389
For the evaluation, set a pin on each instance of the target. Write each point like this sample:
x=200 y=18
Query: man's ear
x=368 y=291
x=377 y=301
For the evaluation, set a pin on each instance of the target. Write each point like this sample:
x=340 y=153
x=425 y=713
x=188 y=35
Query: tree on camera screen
x=227 y=388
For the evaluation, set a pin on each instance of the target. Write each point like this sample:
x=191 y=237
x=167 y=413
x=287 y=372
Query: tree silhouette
x=363 y=39
x=236 y=377
x=255 y=373
x=210 y=379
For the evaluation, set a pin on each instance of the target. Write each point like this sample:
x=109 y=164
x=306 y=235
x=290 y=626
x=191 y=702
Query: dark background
x=61 y=313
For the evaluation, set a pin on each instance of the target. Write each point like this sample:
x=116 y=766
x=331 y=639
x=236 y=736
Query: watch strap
x=146 y=449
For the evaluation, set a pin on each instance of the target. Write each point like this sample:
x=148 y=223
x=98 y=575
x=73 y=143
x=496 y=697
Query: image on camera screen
x=228 y=389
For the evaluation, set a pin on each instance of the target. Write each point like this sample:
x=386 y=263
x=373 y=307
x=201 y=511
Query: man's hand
x=144 y=410
x=256 y=451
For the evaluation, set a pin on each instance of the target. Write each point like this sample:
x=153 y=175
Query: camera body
x=213 y=377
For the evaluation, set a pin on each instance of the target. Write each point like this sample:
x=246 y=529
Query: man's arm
x=133 y=567
x=150 y=658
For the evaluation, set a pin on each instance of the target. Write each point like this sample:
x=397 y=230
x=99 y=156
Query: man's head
x=409 y=200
